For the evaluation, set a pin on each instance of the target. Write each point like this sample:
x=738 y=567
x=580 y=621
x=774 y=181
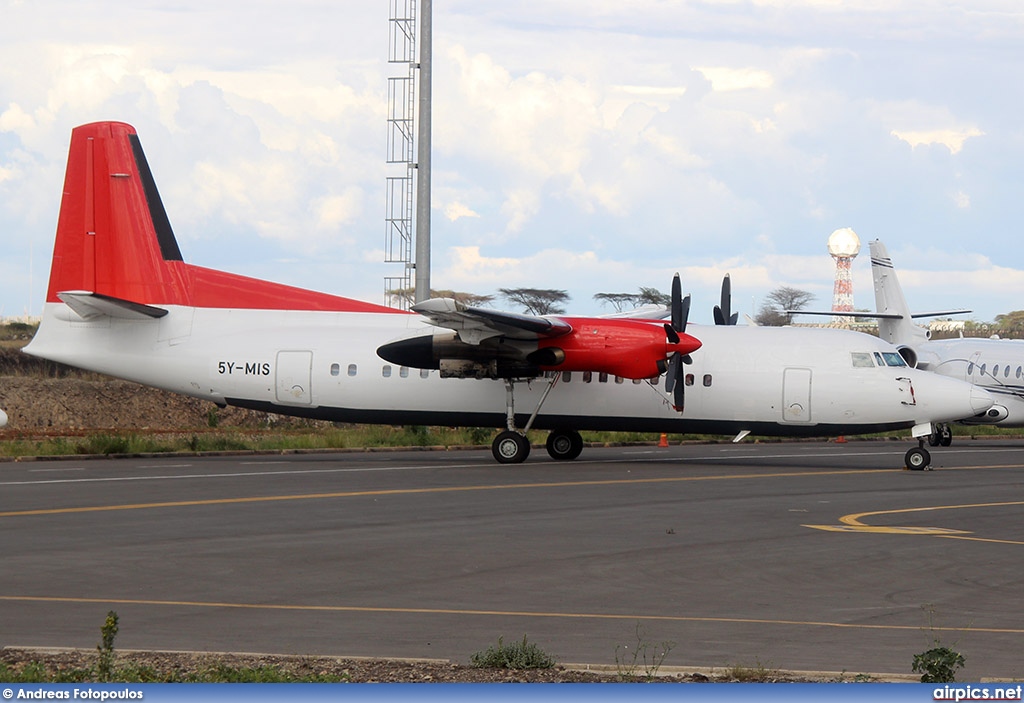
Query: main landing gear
x=511 y=445
x=941 y=437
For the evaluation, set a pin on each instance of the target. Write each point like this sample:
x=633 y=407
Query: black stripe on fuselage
x=434 y=418
x=162 y=225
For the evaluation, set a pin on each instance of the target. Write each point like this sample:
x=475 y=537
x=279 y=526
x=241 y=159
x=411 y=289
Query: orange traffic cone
x=663 y=442
x=840 y=439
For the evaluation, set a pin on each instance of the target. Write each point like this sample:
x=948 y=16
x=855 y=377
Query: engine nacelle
x=992 y=416
x=909 y=355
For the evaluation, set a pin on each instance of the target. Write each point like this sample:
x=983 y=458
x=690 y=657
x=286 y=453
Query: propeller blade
x=671 y=335
x=678 y=323
x=685 y=314
x=679 y=391
x=723 y=312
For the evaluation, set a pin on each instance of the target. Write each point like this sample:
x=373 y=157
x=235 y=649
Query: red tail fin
x=113 y=235
x=114 y=238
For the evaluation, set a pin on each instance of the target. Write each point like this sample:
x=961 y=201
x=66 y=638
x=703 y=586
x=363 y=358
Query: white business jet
x=997 y=365
x=121 y=301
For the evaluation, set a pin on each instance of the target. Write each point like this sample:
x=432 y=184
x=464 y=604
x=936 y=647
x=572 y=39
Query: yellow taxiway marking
x=439 y=489
x=852 y=523
x=501 y=613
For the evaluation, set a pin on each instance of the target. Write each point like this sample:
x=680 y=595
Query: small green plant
x=759 y=673
x=643 y=654
x=521 y=655
x=940 y=663
x=105 y=665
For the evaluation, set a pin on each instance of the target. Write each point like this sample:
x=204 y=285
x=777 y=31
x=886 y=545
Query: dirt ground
x=183 y=666
x=39 y=405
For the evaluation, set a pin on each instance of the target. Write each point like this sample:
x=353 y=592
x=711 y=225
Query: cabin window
x=862 y=360
x=424 y=373
x=566 y=376
x=1020 y=371
x=707 y=380
x=335 y=369
x=982 y=371
x=995 y=370
x=893 y=359
x=619 y=379
x=637 y=381
x=1006 y=372
x=970 y=369
x=588 y=376
x=878 y=358
x=403 y=371
x=386 y=371
x=602 y=377
x=351 y=369
x=688 y=379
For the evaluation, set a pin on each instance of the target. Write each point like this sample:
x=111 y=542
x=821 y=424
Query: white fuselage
x=324 y=365
x=997 y=365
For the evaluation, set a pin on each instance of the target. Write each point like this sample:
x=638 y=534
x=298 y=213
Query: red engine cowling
x=627 y=348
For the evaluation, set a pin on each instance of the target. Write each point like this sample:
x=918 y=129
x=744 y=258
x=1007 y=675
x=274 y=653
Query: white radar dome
x=844 y=243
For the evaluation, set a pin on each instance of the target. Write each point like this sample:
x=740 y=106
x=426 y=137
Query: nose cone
x=944 y=399
x=981 y=400
x=687 y=344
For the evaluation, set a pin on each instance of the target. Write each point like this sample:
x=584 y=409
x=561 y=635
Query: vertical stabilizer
x=889 y=300
x=113 y=235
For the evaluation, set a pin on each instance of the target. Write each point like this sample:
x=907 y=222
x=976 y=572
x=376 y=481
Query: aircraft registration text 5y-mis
x=122 y=301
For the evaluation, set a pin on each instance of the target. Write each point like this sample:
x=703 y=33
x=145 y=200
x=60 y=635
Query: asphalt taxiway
x=802 y=556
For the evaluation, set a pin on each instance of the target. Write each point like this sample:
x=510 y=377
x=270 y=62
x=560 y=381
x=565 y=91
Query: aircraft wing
x=477 y=324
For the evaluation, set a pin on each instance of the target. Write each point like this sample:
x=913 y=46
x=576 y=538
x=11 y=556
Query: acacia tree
x=623 y=301
x=537 y=301
x=405 y=297
x=777 y=302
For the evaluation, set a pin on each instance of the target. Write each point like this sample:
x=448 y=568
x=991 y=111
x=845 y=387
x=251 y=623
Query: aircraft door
x=294 y=375
x=796 y=395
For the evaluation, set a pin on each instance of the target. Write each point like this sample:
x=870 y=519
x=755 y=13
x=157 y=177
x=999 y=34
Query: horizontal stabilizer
x=91 y=305
x=876 y=315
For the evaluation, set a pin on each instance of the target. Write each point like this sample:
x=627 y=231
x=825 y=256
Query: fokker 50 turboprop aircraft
x=121 y=301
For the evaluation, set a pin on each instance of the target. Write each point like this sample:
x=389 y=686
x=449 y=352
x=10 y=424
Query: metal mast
x=402 y=136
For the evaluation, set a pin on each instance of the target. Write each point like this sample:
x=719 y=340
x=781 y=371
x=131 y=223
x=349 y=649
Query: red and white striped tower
x=843 y=245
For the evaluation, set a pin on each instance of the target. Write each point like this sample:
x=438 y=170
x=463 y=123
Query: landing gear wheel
x=934 y=438
x=917 y=459
x=945 y=436
x=510 y=448
x=564 y=445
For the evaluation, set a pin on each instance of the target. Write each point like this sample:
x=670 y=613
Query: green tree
x=537 y=301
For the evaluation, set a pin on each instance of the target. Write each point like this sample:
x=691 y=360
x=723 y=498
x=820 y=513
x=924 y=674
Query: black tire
x=945 y=436
x=564 y=445
x=934 y=438
x=917 y=459
x=510 y=448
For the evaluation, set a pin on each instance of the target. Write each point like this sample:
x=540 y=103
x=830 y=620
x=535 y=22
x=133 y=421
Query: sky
x=586 y=146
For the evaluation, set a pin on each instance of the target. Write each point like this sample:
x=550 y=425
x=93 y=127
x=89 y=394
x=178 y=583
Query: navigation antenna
x=402 y=92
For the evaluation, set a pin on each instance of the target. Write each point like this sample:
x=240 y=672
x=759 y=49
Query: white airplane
x=997 y=365
x=3 y=419
x=121 y=301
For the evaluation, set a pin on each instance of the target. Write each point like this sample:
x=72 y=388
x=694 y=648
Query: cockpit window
x=862 y=360
x=893 y=359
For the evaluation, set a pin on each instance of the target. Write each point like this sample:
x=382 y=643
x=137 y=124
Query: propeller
x=680 y=312
x=723 y=313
